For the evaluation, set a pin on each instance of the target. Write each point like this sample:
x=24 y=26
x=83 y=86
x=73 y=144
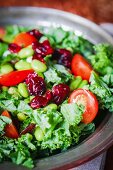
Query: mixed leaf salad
x=53 y=85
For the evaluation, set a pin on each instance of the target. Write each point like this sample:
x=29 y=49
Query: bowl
x=102 y=138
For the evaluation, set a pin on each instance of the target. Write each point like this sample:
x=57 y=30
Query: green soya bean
x=39 y=135
x=22 y=89
x=83 y=83
x=6 y=68
x=4 y=88
x=40 y=74
x=38 y=66
x=75 y=83
x=13 y=90
x=22 y=65
x=26 y=52
x=51 y=106
x=42 y=39
x=31 y=97
x=21 y=116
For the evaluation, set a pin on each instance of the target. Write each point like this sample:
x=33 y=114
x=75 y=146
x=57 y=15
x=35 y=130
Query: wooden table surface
x=95 y=10
x=98 y=11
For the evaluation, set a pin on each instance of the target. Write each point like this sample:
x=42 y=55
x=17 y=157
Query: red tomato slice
x=14 y=78
x=24 y=39
x=88 y=100
x=2 y=32
x=80 y=67
x=10 y=130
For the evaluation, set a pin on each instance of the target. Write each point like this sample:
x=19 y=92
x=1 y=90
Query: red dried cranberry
x=63 y=57
x=14 y=48
x=38 y=102
x=28 y=129
x=43 y=48
x=36 y=85
x=48 y=95
x=37 y=56
x=60 y=92
x=36 y=33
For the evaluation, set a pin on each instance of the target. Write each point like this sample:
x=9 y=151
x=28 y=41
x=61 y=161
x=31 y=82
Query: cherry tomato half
x=80 y=67
x=10 y=129
x=24 y=39
x=88 y=100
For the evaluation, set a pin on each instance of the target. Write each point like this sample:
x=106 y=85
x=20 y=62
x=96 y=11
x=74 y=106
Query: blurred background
x=99 y=11
x=96 y=10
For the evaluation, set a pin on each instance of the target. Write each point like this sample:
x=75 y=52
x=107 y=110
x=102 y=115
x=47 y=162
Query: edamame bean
x=75 y=83
x=38 y=66
x=40 y=74
x=4 y=88
x=42 y=39
x=51 y=106
x=6 y=68
x=84 y=82
x=31 y=97
x=39 y=135
x=29 y=136
x=13 y=90
x=22 y=89
x=26 y=52
x=22 y=65
x=21 y=116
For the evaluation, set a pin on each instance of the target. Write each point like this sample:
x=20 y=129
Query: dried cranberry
x=37 y=56
x=63 y=57
x=28 y=129
x=36 y=85
x=38 y=102
x=43 y=48
x=60 y=92
x=14 y=48
x=36 y=33
x=48 y=95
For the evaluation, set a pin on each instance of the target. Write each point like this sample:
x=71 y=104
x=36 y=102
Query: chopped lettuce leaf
x=102 y=60
x=72 y=113
x=102 y=91
x=3 y=122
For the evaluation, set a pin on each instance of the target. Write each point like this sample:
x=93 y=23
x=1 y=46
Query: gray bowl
x=102 y=138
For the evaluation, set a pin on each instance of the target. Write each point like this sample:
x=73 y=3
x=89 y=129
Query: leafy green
x=102 y=91
x=24 y=108
x=81 y=130
x=47 y=120
x=59 y=140
x=108 y=79
x=52 y=76
x=72 y=113
x=8 y=105
x=102 y=60
x=8 y=58
x=17 y=150
x=57 y=74
x=3 y=48
x=6 y=146
x=3 y=122
x=69 y=40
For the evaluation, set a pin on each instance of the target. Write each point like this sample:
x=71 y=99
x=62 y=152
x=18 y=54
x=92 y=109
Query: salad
x=54 y=86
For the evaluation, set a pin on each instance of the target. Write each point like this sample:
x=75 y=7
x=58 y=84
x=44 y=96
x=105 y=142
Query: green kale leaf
x=102 y=60
x=102 y=91
x=72 y=113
